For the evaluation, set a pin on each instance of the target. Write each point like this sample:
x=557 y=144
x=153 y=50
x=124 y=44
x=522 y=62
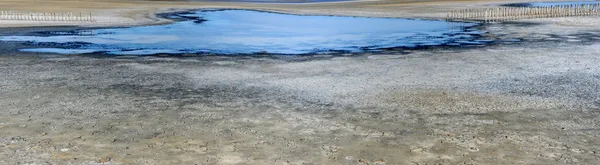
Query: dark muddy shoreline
x=177 y=16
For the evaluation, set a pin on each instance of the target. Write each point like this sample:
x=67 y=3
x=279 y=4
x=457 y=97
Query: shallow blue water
x=250 y=32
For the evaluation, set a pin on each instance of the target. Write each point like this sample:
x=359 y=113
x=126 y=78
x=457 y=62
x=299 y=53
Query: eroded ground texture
x=533 y=102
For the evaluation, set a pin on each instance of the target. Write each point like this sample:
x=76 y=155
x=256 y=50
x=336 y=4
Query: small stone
x=104 y=159
x=363 y=161
x=474 y=149
x=44 y=134
x=417 y=150
x=16 y=139
x=379 y=162
x=64 y=150
x=349 y=158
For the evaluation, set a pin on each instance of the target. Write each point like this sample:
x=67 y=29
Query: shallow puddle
x=254 y=32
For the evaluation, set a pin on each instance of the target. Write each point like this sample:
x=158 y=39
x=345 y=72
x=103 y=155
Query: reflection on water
x=250 y=32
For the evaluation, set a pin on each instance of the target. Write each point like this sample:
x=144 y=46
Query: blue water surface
x=252 y=32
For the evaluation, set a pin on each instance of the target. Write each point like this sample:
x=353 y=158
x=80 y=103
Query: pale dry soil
x=534 y=102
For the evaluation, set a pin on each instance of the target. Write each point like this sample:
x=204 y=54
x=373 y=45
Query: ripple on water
x=252 y=32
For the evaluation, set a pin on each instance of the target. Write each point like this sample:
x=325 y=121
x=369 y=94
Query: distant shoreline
x=136 y=13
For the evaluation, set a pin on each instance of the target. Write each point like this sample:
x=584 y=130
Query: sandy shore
x=513 y=104
x=532 y=102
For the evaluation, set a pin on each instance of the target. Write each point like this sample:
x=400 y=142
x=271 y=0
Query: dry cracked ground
x=534 y=102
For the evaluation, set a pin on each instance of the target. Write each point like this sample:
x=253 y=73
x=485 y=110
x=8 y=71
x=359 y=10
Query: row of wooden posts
x=516 y=13
x=46 y=16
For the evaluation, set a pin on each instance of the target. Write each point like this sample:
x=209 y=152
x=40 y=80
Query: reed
x=516 y=13
x=47 y=16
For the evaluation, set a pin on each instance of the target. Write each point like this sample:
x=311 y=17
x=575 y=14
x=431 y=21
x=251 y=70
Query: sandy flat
x=512 y=104
x=531 y=102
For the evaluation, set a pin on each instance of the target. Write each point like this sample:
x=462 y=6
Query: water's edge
x=179 y=16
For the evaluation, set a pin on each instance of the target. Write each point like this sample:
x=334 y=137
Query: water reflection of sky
x=247 y=32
